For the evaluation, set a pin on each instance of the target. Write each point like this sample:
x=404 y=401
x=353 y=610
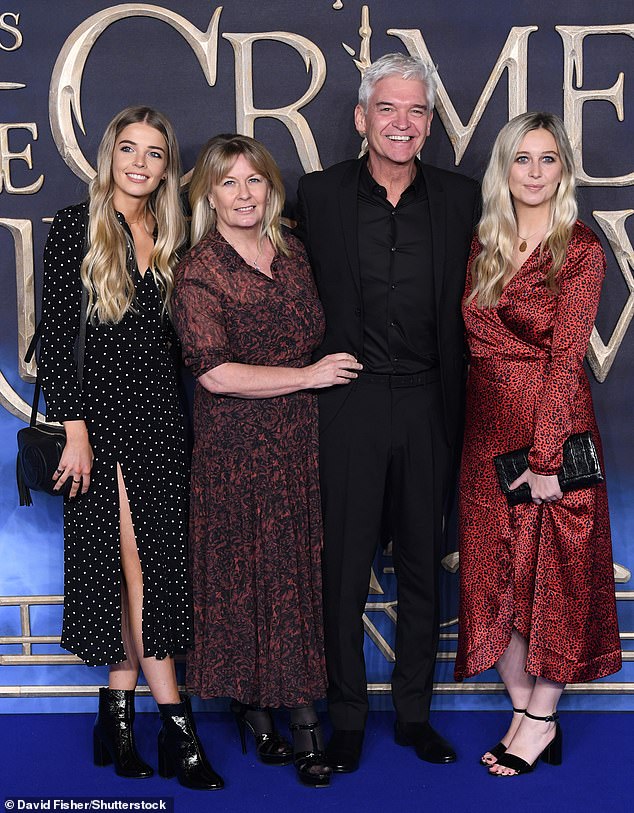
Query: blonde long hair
x=215 y=160
x=497 y=229
x=104 y=270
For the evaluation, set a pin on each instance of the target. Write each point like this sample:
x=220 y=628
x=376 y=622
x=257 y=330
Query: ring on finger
x=77 y=481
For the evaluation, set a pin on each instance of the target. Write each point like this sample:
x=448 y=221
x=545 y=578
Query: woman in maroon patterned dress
x=248 y=315
x=537 y=590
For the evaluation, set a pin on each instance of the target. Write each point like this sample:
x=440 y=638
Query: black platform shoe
x=113 y=738
x=270 y=746
x=180 y=751
x=311 y=766
x=500 y=748
x=552 y=753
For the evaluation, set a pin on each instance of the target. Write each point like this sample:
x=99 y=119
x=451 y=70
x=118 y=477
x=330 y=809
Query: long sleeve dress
x=255 y=522
x=131 y=407
x=545 y=570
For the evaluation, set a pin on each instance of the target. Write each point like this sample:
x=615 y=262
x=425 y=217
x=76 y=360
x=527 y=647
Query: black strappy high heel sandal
x=500 y=748
x=311 y=766
x=270 y=746
x=551 y=755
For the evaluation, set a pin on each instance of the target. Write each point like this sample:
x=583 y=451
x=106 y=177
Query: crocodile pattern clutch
x=581 y=468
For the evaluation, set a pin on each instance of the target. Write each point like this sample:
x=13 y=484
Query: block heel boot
x=113 y=737
x=180 y=751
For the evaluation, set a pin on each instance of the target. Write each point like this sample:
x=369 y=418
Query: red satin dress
x=545 y=570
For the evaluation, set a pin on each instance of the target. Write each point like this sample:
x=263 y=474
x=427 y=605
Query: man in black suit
x=388 y=238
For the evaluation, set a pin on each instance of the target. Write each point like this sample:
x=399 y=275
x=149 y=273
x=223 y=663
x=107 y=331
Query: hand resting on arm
x=255 y=381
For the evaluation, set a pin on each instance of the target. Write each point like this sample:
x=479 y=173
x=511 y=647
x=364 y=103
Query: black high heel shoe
x=500 y=748
x=311 y=766
x=551 y=755
x=270 y=746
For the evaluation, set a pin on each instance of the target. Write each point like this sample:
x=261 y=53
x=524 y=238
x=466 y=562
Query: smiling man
x=388 y=239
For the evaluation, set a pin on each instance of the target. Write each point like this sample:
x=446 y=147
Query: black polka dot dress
x=131 y=407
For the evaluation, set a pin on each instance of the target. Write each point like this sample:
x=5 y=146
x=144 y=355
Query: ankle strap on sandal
x=519 y=711
x=304 y=726
x=551 y=718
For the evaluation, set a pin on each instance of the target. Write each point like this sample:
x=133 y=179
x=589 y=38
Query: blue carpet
x=49 y=755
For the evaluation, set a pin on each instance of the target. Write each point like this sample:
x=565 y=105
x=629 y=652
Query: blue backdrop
x=288 y=72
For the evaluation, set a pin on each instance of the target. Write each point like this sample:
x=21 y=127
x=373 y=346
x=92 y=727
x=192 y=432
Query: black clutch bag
x=581 y=468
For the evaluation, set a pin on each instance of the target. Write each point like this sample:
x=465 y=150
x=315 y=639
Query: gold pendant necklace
x=524 y=244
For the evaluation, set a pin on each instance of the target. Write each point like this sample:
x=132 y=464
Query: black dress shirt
x=397 y=283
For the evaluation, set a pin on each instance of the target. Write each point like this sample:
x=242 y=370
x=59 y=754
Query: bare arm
x=255 y=381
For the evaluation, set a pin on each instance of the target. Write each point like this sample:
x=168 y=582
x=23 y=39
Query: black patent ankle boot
x=113 y=738
x=180 y=751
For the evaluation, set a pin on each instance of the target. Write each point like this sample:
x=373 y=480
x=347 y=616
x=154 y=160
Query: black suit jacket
x=328 y=217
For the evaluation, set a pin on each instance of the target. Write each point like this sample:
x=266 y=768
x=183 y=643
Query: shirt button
x=392 y=324
x=393 y=286
x=393 y=248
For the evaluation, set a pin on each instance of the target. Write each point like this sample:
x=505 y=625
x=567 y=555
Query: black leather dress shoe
x=428 y=743
x=344 y=751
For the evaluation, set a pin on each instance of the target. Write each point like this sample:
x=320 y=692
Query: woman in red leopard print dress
x=537 y=590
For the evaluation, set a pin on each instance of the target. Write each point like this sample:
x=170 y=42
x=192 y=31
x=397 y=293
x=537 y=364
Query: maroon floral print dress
x=255 y=515
x=545 y=570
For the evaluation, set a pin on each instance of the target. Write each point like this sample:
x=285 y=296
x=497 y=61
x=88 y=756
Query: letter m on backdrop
x=513 y=57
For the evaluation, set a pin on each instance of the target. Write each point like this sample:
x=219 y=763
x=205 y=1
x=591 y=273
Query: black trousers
x=384 y=465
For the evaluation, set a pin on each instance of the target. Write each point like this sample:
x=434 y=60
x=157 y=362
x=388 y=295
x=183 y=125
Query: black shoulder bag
x=40 y=446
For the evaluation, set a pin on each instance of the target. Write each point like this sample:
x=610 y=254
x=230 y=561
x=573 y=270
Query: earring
x=211 y=205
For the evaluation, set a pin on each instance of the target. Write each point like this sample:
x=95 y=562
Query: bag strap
x=81 y=346
x=81 y=352
x=27 y=359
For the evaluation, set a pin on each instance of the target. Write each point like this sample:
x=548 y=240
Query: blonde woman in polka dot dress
x=125 y=570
